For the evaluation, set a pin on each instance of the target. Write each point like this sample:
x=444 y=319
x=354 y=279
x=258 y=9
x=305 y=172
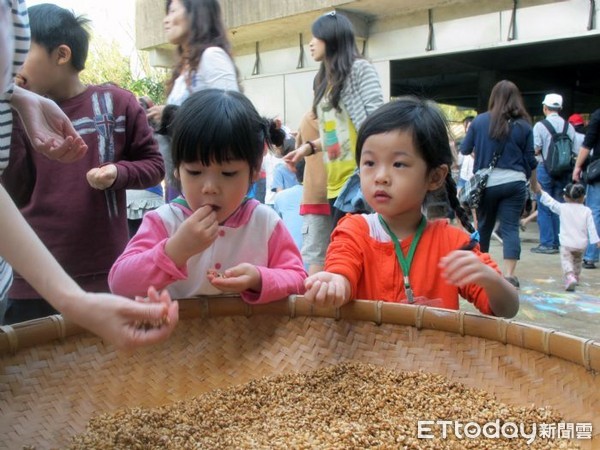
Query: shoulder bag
x=471 y=194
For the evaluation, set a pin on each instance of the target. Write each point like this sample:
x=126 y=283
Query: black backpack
x=559 y=161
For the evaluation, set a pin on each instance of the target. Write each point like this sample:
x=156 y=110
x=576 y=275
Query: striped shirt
x=18 y=39
x=362 y=93
x=20 y=36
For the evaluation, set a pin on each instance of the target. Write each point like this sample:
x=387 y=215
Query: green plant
x=106 y=64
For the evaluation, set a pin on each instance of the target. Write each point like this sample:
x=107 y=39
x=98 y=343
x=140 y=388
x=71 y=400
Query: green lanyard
x=405 y=262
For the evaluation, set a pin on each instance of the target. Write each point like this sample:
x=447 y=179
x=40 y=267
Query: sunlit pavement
x=544 y=301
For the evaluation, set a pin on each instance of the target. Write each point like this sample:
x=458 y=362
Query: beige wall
x=395 y=30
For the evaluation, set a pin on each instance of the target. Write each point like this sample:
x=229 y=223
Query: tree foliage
x=106 y=64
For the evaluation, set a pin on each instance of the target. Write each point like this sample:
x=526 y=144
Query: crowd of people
x=334 y=211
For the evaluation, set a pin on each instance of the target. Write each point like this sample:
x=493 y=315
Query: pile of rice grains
x=349 y=406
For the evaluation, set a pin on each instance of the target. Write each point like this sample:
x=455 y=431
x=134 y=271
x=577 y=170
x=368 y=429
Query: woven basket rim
x=551 y=342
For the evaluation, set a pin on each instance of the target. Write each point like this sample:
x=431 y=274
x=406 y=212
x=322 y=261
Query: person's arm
x=48 y=128
x=307 y=149
x=465 y=268
x=284 y=274
x=550 y=202
x=140 y=165
x=369 y=88
x=328 y=289
x=111 y=317
x=144 y=262
x=6 y=48
x=468 y=143
x=579 y=162
x=537 y=138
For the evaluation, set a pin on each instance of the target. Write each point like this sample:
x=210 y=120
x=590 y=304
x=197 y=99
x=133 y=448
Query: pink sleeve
x=144 y=262
x=285 y=273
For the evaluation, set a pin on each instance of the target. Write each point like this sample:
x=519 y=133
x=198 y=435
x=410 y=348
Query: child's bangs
x=220 y=141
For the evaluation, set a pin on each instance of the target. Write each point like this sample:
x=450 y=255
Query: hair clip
x=475 y=235
x=330 y=13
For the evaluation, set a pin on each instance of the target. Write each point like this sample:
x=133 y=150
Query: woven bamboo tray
x=50 y=388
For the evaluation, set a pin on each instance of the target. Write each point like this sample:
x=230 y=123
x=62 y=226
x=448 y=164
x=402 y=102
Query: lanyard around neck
x=405 y=262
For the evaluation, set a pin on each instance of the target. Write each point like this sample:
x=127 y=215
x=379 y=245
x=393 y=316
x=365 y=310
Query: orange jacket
x=361 y=251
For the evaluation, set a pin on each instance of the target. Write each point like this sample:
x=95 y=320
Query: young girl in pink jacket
x=212 y=239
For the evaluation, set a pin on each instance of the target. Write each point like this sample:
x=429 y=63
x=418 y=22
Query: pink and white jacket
x=253 y=234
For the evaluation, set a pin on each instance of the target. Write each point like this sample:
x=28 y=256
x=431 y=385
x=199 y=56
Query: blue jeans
x=592 y=200
x=504 y=202
x=548 y=222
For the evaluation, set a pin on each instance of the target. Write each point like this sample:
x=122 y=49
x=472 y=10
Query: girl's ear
x=176 y=173
x=437 y=177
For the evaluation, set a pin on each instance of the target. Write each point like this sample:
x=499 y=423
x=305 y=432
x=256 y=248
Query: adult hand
x=577 y=171
x=102 y=177
x=48 y=128
x=296 y=155
x=195 y=235
x=240 y=278
x=120 y=320
x=327 y=289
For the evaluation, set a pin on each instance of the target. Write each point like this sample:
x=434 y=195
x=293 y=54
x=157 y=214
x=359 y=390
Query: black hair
x=277 y=133
x=429 y=128
x=574 y=191
x=216 y=126
x=165 y=127
x=337 y=32
x=505 y=103
x=207 y=29
x=300 y=170
x=52 y=26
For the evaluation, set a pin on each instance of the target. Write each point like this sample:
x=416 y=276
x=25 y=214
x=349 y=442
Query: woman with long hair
x=505 y=129
x=346 y=90
x=204 y=53
x=196 y=27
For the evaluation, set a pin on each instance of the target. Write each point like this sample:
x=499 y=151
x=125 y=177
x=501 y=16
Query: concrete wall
x=280 y=89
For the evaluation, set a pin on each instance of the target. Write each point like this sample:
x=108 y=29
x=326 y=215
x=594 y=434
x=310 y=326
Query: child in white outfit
x=576 y=230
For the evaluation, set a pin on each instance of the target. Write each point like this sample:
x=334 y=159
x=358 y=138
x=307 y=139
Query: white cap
x=553 y=101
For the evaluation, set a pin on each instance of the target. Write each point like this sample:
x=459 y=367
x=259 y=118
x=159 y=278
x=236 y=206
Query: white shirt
x=577 y=227
x=215 y=70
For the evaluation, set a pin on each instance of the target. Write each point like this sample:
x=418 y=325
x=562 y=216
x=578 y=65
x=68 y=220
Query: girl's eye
x=368 y=163
x=193 y=172
x=399 y=164
x=229 y=174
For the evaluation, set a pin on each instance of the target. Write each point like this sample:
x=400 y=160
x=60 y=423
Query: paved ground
x=544 y=301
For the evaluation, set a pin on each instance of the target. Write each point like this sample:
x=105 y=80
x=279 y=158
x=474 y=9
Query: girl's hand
x=195 y=235
x=462 y=267
x=102 y=177
x=327 y=289
x=240 y=278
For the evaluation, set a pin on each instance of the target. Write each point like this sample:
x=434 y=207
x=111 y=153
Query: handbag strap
x=500 y=148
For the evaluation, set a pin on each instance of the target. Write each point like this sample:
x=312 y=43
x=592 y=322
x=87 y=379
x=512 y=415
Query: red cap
x=576 y=119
